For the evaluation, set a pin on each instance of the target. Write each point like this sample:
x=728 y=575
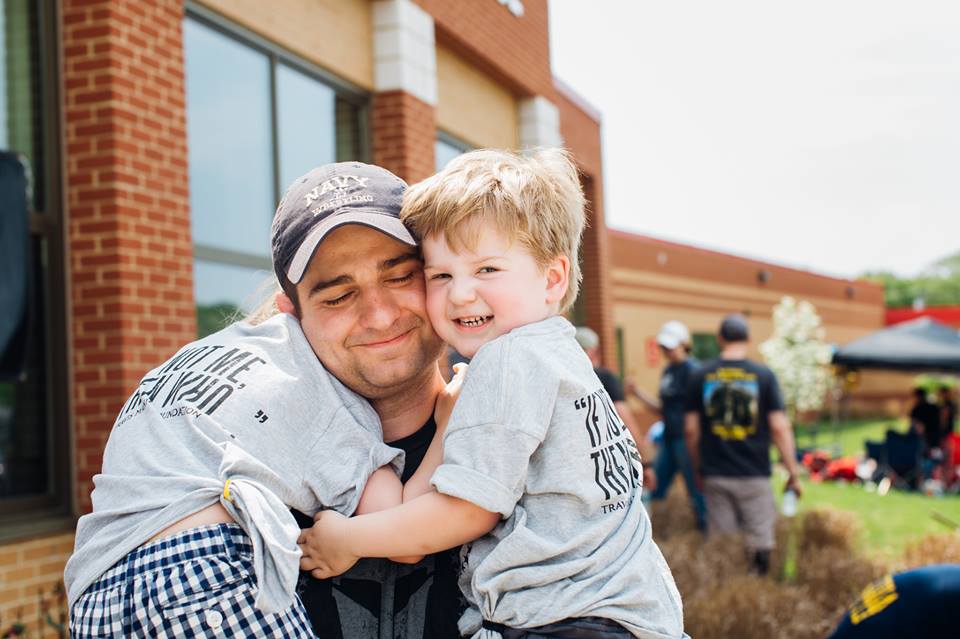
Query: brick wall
x=127 y=209
x=514 y=50
x=30 y=578
x=404 y=131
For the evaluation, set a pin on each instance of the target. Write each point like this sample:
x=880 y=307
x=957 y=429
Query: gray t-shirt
x=535 y=438
x=249 y=404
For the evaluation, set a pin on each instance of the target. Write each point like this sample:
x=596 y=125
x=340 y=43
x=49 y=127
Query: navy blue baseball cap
x=326 y=198
x=734 y=328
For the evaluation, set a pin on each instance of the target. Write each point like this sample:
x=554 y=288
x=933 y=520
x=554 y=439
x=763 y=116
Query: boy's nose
x=461 y=292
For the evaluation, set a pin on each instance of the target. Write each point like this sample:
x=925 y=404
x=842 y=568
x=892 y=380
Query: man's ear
x=285 y=304
x=558 y=278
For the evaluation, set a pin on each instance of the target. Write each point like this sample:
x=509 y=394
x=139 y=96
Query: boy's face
x=488 y=290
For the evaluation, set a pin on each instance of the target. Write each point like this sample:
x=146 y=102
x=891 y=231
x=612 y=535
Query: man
x=734 y=408
x=925 y=420
x=590 y=343
x=351 y=273
x=674 y=342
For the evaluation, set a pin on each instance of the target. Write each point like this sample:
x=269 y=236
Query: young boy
x=535 y=458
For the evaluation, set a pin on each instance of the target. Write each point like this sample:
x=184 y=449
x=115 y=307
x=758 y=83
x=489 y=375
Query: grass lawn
x=848 y=438
x=889 y=522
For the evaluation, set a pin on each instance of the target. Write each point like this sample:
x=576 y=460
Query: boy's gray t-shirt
x=249 y=404
x=535 y=438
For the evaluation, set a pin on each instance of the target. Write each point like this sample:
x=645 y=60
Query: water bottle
x=788 y=507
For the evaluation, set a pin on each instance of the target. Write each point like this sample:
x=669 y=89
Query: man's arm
x=782 y=434
x=691 y=433
x=652 y=402
x=630 y=421
x=428 y=524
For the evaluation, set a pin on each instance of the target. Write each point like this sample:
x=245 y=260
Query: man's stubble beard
x=412 y=376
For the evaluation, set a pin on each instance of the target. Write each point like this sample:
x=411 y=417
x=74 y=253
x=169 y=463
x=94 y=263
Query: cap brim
x=383 y=222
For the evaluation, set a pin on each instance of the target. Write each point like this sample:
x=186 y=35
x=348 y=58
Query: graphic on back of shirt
x=614 y=456
x=730 y=402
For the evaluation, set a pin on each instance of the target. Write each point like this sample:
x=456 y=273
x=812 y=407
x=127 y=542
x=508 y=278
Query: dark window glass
x=253 y=127
x=33 y=467
x=705 y=346
x=447 y=148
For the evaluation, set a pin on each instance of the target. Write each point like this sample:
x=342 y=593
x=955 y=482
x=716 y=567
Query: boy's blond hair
x=533 y=198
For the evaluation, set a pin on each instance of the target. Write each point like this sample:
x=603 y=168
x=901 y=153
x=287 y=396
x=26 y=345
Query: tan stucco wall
x=472 y=106
x=333 y=34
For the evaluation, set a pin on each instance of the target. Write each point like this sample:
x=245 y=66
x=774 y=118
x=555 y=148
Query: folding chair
x=904 y=456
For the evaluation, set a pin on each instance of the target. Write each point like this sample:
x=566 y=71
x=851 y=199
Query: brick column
x=405 y=79
x=596 y=293
x=127 y=207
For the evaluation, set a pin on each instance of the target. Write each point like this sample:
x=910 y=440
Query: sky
x=822 y=135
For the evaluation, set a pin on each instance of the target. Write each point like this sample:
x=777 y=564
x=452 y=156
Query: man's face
x=362 y=309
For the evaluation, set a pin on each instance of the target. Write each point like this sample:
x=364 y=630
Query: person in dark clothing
x=916 y=603
x=734 y=410
x=948 y=410
x=672 y=456
x=925 y=420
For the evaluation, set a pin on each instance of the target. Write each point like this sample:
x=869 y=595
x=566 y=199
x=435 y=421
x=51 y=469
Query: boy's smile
x=483 y=291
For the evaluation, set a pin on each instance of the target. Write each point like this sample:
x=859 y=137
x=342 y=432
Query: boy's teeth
x=472 y=321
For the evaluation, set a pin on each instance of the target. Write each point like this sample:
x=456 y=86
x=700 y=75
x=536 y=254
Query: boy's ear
x=558 y=278
x=285 y=304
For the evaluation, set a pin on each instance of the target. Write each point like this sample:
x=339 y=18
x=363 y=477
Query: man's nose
x=379 y=309
x=462 y=291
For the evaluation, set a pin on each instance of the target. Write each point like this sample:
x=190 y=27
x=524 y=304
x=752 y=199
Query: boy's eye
x=488 y=269
x=439 y=276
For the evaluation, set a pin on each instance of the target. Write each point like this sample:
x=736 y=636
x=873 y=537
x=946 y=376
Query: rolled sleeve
x=485 y=465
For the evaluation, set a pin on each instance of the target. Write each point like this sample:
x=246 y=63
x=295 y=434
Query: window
x=705 y=346
x=446 y=148
x=33 y=424
x=253 y=126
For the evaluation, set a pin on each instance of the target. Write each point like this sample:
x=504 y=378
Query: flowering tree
x=798 y=355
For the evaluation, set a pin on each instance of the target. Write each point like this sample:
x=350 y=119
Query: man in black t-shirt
x=734 y=409
x=672 y=456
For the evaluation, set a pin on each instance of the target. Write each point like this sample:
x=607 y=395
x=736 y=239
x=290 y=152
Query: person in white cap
x=673 y=457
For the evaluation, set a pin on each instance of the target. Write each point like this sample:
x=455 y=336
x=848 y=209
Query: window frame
x=52 y=510
x=276 y=55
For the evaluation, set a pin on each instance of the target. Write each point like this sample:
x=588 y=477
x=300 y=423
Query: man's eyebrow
x=337 y=281
x=400 y=259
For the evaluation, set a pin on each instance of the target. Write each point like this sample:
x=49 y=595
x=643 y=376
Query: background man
x=734 y=408
x=674 y=342
x=351 y=273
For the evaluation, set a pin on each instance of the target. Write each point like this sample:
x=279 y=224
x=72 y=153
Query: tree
x=798 y=355
x=936 y=285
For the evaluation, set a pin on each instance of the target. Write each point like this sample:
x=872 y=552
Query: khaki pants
x=741 y=504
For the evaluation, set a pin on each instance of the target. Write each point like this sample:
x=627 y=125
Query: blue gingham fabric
x=198 y=583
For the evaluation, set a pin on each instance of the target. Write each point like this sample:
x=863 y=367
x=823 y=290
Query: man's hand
x=325 y=546
x=448 y=397
x=793 y=483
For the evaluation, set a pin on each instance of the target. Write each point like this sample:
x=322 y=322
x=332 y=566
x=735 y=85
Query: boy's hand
x=325 y=546
x=448 y=397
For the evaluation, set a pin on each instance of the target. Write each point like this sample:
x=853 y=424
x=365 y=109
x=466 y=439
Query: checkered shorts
x=198 y=583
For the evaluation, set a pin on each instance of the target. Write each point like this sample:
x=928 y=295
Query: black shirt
x=928 y=415
x=379 y=598
x=734 y=399
x=611 y=383
x=673 y=393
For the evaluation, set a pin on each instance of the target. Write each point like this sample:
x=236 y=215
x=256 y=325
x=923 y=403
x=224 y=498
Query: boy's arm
x=430 y=523
x=419 y=482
